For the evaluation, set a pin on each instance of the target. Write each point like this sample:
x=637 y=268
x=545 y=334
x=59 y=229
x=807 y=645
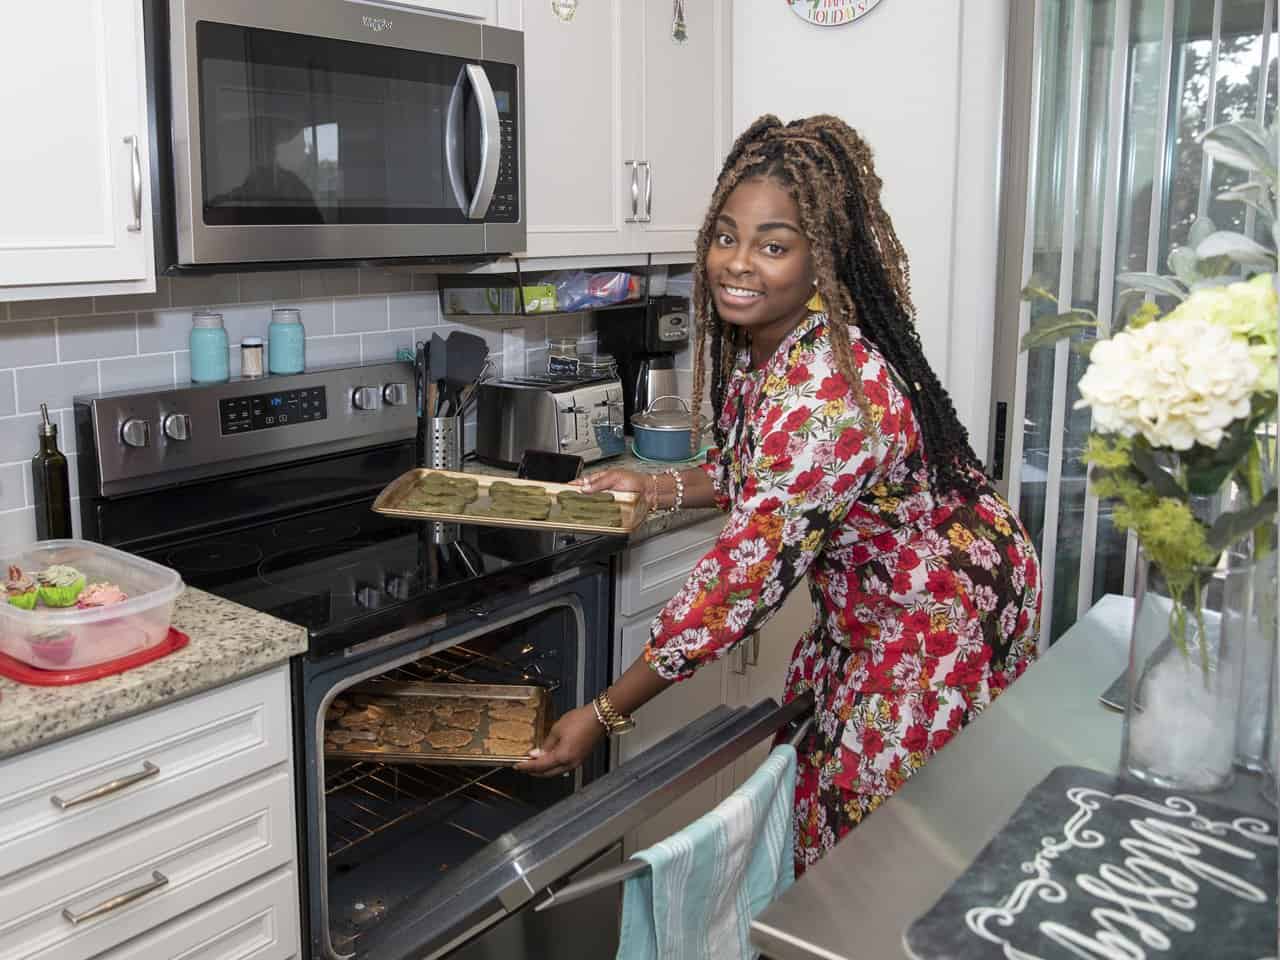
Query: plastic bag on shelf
x=579 y=290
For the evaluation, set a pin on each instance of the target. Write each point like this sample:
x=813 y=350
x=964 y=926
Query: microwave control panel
x=505 y=206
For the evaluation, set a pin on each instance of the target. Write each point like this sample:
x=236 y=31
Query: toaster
x=579 y=417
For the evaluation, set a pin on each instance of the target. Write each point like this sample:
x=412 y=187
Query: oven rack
x=382 y=795
x=461 y=664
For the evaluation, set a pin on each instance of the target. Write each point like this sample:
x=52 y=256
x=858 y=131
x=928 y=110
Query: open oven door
x=497 y=888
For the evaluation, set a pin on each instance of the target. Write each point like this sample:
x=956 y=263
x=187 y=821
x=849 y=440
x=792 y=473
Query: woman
x=840 y=457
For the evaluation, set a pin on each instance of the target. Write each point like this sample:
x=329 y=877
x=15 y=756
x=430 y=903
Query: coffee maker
x=644 y=340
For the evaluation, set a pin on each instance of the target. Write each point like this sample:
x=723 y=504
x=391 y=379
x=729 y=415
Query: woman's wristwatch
x=614 y=723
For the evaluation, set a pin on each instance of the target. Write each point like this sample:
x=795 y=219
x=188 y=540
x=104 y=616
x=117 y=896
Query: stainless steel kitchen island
x=857 y=903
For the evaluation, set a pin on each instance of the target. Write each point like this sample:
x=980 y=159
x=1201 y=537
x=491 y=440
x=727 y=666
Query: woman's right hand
x=624 y=481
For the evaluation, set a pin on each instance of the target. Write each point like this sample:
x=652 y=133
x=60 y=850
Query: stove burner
x=316 y=530
x=214 y=556
x=340 y=574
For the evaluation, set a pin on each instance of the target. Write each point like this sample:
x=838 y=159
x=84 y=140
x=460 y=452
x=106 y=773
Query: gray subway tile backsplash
x=164 y=330
x=27 y=342
x=333 y=351
x=13 y=492
x=19 y=438
x=383 y=280
x=330 y=283
x=8 y=397
x=270 y=286
x=413 y=310
x=37 y=309
x=19 y=526
x=128 y=372
x=55 y=385
x=383 y=346
x=96 y=337
x=360 y=315
x=205 y=291
x=136 y=301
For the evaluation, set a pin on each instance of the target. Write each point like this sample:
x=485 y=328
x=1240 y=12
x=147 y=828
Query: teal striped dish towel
x=709 y=880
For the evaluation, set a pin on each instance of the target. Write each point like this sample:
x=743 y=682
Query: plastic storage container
x=70 y=638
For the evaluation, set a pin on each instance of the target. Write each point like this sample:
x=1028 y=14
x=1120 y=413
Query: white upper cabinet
x=625 y=128
x=682 y=115
x=483 y=11
x=74 y=183
x=574 y=129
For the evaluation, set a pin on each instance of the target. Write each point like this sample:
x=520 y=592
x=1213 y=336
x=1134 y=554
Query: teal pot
x=664 y=434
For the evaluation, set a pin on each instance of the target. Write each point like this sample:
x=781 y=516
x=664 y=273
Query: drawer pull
x=149 y=769
x=157 y=881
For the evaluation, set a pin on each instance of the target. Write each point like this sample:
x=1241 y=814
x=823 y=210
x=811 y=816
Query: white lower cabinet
x=259 y=921
x=131 y=832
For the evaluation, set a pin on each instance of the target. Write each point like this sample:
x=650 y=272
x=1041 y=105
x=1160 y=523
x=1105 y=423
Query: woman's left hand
x=568 y=743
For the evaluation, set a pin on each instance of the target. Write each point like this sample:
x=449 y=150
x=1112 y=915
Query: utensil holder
x=442 y=442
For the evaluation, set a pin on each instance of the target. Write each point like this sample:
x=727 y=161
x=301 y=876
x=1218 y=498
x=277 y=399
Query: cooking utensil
x=664 y=434
x=437 y=370
x=465 y=356
x=390 y=499
x=401 y=702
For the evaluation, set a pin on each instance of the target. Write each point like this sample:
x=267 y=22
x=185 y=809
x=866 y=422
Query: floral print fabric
x=926 y=607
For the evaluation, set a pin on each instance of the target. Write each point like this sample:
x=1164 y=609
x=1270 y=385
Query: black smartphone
x=549 y=467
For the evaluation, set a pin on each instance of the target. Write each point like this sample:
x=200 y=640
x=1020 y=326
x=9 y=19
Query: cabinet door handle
x=157 y=881
x=755 y=651
x=635 y=191
x=648 y=191
x=148 y=770
x=741 y=668
x=136 y=177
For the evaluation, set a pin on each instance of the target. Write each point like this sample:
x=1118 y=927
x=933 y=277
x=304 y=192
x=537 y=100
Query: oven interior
x=392 y=829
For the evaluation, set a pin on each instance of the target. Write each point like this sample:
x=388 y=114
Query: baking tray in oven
x=392 y=501
x=438 y=723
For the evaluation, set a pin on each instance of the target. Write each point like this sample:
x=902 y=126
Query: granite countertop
x=228 y=641
x=652 y=526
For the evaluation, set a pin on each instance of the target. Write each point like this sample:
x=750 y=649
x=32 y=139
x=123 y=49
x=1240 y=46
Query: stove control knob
x=366 y=398
x=136 y=432
x=177 y=426
x=396 y=394
x=368 y=598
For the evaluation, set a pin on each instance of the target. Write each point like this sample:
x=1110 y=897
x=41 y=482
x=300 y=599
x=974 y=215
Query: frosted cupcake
x=101 y=595
x=20 y=589
x=59 y=585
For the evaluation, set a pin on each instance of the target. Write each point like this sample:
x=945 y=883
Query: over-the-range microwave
x=294 y=131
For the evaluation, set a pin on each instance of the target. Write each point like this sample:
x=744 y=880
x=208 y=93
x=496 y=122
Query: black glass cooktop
x=348 y=574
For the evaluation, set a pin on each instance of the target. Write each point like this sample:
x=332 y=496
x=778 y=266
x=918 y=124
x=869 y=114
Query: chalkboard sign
x=1093 y=866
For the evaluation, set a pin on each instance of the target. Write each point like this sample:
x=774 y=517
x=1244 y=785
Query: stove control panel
x=139 y=440
x=263 y=411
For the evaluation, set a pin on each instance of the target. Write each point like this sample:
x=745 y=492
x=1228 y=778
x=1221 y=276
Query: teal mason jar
x=210 y=352
x=286 y=341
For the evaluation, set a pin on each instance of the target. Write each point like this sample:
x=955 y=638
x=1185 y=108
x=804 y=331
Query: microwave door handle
x=490 y=141
x=454 y=145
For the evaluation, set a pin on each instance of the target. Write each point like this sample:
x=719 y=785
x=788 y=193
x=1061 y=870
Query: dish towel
x=709 y=880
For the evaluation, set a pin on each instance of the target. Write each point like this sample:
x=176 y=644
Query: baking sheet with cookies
x=437 y=723
x=453 y=497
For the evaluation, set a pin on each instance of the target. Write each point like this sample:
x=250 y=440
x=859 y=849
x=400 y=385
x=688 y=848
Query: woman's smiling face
x=759 y=265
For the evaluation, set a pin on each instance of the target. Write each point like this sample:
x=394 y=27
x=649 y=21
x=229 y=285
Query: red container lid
x=34 y=676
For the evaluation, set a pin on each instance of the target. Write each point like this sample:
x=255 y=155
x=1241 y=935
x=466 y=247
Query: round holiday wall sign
x=831 y=13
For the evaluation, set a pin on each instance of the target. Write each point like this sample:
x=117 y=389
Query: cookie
x=369 y=716
x=505 y=748
x=566 y=497
x=465 y=719
x=500 y=487
x=402 y=735
x=448 y=739
x=511 y=730
x=511 y=711
x=339 y=737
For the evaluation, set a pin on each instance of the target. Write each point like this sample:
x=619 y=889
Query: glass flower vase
x=1258 y=633
x=1186 y=659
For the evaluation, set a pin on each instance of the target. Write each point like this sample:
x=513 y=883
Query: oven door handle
x=474 y=204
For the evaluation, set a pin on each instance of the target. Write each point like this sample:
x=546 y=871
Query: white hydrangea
x=1178 y=382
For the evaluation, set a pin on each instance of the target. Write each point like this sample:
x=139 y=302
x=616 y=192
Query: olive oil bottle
x=51 y=483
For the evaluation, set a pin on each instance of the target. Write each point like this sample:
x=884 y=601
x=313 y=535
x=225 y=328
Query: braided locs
x=861 y=267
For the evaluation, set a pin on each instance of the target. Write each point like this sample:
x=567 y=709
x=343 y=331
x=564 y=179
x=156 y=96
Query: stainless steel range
x=260 y=491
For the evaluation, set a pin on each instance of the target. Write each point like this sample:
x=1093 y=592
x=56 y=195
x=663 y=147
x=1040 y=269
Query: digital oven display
x=267 y=410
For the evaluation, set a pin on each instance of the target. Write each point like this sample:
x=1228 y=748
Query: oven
x=398 y=859
x=332 y=130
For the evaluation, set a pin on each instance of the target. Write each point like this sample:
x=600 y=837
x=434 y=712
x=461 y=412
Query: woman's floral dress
x=926 y=606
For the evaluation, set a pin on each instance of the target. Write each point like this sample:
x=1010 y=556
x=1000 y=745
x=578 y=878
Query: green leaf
x=1184 y=263
x=1153 y=283
x=1241 y=144
x=1160 y=479
x=1050 y=330
x=1228 y=243
x=1200 y=229
x=1208 y=469
x=1255 y=196
x=1083 y=347
x=1230 y=527
x=1031 y=293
